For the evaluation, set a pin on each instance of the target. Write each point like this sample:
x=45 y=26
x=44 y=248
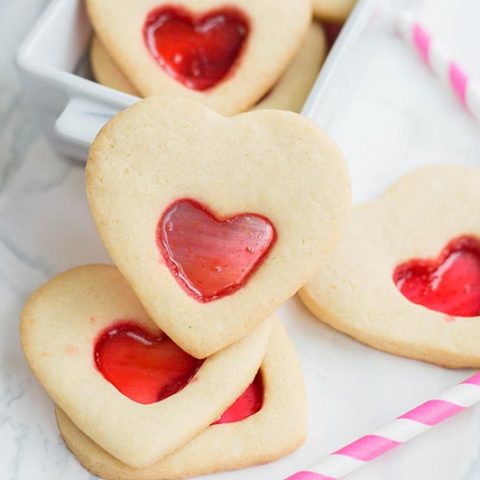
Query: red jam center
x=197 y=51
x=148 y=369
x=248 y=404
x=144 y=368
x=449 y=284
x=212 y=258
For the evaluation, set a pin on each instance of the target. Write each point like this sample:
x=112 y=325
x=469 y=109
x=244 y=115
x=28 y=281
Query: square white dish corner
x=70 y=106
x=53 y=66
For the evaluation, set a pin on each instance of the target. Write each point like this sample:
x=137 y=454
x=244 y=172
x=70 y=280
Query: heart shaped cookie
x=294 y=86
x=214 y=221
x=226 y=56
x=289 y=93
x=107 y=366
x=333 y=10
x=278 y=428
x=406 y=275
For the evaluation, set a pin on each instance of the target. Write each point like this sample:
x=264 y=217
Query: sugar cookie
x=226 y=57
x=64 y=328
x=289 y=93
x=293 y=88
x=106 y=71
x=276 y=430
x=406 y=276
x=215 y=221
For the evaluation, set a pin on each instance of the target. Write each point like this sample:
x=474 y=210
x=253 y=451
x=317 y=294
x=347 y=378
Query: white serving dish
x=53 y=63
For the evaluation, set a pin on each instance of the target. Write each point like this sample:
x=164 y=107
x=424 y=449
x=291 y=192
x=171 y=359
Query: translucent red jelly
x=212 y=258
x=248 y=404
x=149 y=369
x=197 y=51
x=448 y=284
x=144 y=368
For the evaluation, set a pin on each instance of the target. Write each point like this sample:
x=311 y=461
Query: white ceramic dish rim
x=90 y=105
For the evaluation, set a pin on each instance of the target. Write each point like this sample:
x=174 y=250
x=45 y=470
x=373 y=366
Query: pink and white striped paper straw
x=404 y=428
x=440 y=62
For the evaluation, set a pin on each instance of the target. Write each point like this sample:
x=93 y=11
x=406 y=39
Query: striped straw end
x=309 y=476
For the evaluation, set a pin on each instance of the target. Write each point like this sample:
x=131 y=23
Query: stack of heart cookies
x=170 y=364
x=231 y=57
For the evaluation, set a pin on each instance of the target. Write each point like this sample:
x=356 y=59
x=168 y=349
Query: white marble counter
x=390 y=116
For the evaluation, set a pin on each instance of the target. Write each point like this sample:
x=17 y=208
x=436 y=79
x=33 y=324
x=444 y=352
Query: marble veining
x=391 y=113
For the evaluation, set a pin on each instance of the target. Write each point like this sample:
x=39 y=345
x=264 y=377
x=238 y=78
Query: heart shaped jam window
x=143 y=367
x=449 y=284
x=148 y=369
x=210 y=257
x=198 y=51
